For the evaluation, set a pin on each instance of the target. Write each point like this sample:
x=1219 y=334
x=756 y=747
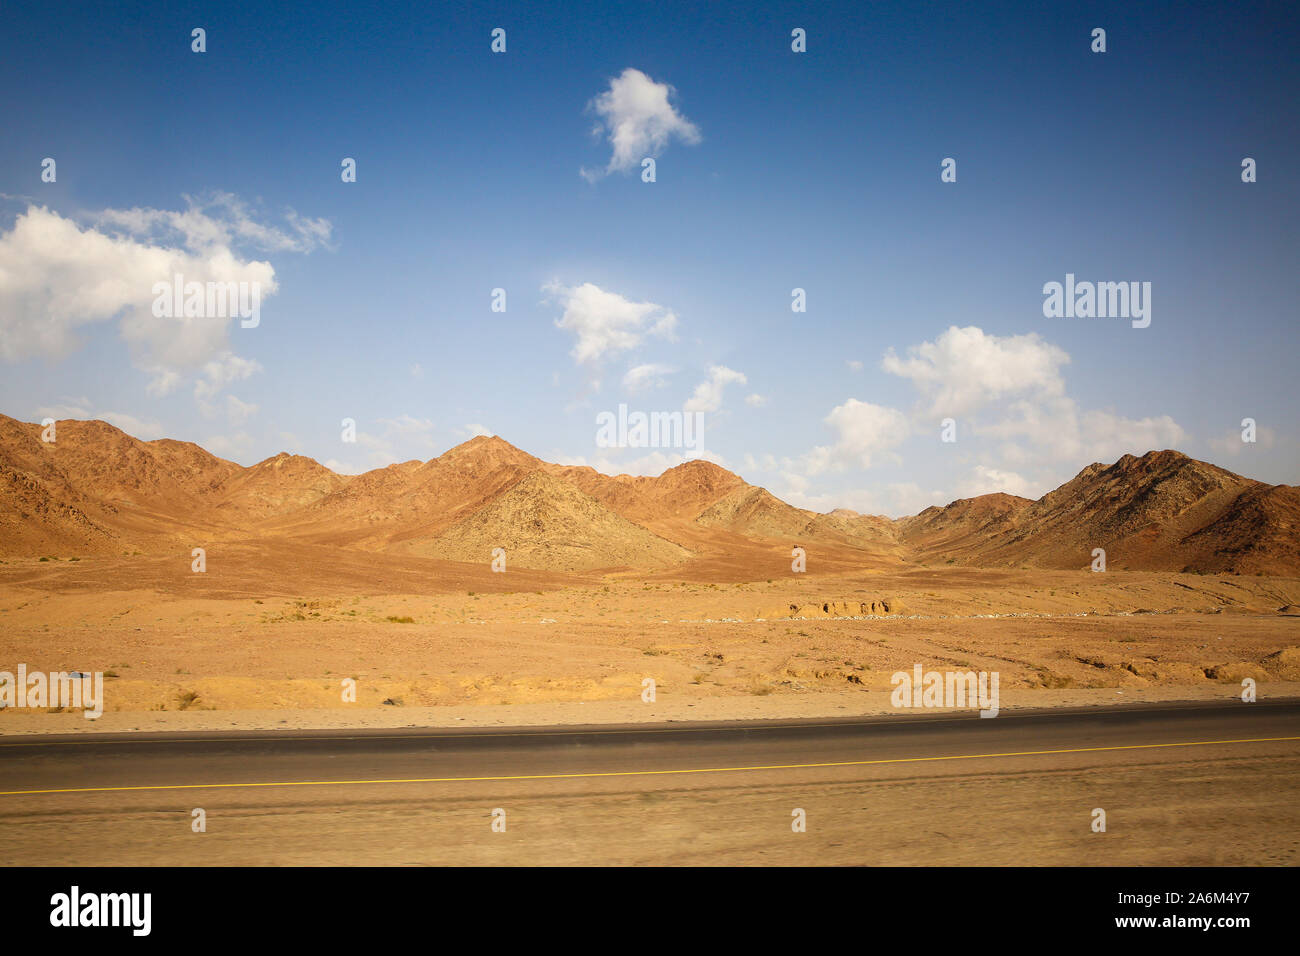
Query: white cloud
x=239 y=412
x=1230 y=442
x=1055 y=430
x=1107 y=436
x=1027 y=434
x=643 y=377
x=164 y=382
x=638 y=120
x=755 y=400
x=965 y=368
x=986 y=481
x=866 y=432
x=905 y=498
x=58 y=277
x=212 y=224
x=854 y=365
x=474 y=430
x=606 y=322
x=217 y=373
x=708 y=394
x=393 y=440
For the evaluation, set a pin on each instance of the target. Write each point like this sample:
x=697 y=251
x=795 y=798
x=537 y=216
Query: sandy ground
x=1217 y=807
x=435 y=643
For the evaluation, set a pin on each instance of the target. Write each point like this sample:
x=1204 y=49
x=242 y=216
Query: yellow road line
x=642 y=773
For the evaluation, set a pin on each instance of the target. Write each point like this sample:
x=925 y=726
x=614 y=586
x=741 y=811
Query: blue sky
x=775 y=170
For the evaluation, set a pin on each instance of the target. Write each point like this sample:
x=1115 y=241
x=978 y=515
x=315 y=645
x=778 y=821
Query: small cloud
x=474 y=430
x=237 y=411
x=708 y=394
x=986 y=481
x=638 y=120
x=755 y=400
x=643 y=377
x=164 y=382
x=606 y=322
x=854 y=365
x=217 y=373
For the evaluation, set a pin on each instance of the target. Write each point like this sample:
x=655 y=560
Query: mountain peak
x=1152 y=459
x=543 y=521
x=492 y=449
x=485 y=441
x=288 y=459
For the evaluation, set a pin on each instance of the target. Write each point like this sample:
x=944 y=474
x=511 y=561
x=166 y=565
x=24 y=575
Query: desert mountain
x=101 y=461
x=871 y=532
x=680 y=493
x=545 y=522
x=1162 y=511
x=95 y=484
x=756 y=511
x=961 y=530
x=97 y=490
x=33 y=521
x=1259 y=531
x=413 y=500
x=278 y=484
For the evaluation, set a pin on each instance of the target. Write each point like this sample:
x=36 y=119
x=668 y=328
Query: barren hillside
x=97 y=490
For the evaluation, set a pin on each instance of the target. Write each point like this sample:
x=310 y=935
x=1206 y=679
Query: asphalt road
x=1204 y=784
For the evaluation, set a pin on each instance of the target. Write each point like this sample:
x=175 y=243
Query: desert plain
x=311 y=580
